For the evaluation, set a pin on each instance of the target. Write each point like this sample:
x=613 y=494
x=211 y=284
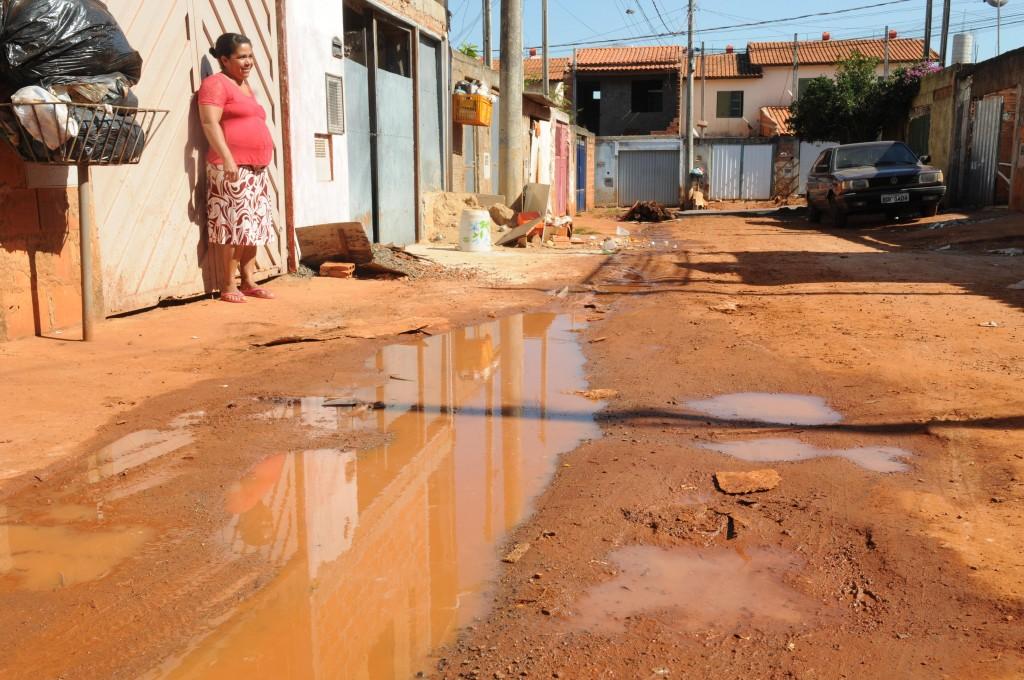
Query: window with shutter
x=335 y=105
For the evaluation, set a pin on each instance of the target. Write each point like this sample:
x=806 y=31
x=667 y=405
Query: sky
x=589 y=21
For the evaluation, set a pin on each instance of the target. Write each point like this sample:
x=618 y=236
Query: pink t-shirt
x=244 y=122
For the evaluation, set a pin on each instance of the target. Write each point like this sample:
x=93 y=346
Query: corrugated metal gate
x=649 y=175
x=152 y=217
x=740 y=171
x=581 y=174
x=984 y=151
x=560 y=199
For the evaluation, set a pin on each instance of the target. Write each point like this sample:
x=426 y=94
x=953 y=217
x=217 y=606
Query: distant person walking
x=239 y=212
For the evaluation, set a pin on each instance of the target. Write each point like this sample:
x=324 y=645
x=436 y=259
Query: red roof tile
x=901 y=50
x=533 y=67
x=777 y=120
x=650 y=58
x=735 y=65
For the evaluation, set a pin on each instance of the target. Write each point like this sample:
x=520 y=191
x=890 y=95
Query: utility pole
x=703 y=85
x=945 y=31
x=885 y=68
x=927 y=32
x=796 y=66
x=689 y=99
x=510 y=116
x=544 y=43
x=488 y=48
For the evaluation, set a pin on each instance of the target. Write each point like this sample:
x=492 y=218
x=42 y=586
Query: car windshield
x=876 y=155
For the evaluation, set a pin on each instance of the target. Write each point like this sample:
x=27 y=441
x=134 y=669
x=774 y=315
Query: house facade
x=733 y=88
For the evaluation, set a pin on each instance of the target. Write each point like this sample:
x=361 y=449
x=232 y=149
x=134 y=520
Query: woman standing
x=239 y=215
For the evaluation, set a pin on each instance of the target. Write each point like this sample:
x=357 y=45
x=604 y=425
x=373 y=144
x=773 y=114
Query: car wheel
x=813 y=213
x=838 y=215
x=930 y=210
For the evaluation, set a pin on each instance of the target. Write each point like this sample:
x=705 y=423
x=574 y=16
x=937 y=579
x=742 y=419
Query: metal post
x=510 y=131
x=85 y=213
x=703 y=84
x=488 y=49
x=944 y=45
x=927 y=32
x=689 y=97
x=796 y=66
x=885 y=68
x=544 y=43
x=999 y=28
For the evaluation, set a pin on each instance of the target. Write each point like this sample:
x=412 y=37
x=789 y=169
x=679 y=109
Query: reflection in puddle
x=141 y=447
x=694 y=589
x=47 y=558
x=383 y=553
x=766 y=407
x=875 y=458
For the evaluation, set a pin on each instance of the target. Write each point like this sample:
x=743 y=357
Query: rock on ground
x=747 y=482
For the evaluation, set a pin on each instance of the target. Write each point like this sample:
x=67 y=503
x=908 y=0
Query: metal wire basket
x=79 y=134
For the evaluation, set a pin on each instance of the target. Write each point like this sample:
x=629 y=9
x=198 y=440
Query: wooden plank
x=337 y=242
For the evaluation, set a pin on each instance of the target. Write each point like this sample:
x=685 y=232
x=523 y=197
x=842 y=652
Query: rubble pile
x=647 y=211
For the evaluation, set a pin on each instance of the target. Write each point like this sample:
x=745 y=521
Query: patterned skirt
x=239 y=213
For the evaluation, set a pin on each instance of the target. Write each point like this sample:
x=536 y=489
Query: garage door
x=649 y=176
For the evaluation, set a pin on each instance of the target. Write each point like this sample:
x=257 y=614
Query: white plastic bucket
x=475 y=231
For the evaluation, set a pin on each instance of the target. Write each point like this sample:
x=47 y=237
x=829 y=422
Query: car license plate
x=895 y=198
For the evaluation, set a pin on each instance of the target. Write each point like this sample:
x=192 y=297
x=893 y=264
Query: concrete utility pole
x=689 y=98
x=510 y=115
x=488 y=48
x=544 y=39
x=945 y=31
x=885 y=68
x=927 y=32
x=796 y=66
x=703 y=85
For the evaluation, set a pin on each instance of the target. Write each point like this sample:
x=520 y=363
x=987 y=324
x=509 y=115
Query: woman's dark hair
x=227 y=44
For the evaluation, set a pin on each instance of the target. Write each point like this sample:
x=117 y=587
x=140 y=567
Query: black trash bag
x=113 y=88
x=42 y=39
x=106 y=138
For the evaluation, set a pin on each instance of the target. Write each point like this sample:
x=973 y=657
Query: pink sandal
x=261 y=293
x=236 y=297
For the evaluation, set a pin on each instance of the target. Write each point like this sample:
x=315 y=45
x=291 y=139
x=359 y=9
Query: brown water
x=874 y=458
x=696 y=589
x=766 y=407
x=35 y=557
x=383 y=553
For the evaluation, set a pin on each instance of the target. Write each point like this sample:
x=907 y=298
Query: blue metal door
x=359 y=134
x=581 y=174
x=431 y=153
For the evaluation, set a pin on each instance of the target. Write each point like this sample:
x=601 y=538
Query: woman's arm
x=210 y=117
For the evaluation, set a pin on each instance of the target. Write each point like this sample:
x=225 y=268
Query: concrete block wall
x=39 y=254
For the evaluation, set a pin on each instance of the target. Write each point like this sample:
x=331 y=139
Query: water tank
x=963 y=48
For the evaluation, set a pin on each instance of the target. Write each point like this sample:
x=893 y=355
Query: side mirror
x=926 y=159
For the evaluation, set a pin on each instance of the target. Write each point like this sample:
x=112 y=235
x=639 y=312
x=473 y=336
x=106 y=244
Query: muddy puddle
x=382 y=554
x=767 y=407
x=695 y=589
x=874 y=458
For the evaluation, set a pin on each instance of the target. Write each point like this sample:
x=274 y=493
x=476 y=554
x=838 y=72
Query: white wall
x=311 y=26
x=774 y=89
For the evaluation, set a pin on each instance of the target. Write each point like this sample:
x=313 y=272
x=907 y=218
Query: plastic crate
x=472 y=109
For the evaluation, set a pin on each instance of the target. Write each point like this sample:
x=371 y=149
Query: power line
x=662 y=18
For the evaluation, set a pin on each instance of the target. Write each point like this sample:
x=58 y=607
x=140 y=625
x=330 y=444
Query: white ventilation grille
x=335 y=105
x=323 y=150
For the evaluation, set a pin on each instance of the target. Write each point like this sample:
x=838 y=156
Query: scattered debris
x=597 y=340
x=517 y=553
x=1016 y=286
x=989 y=324
x=727 y=307
x=289 y=340
x=1012 y=252
x=747 y=482
x=647 y=211
x=408 y=326
x=347 y=402
x=390 y=261
x=598 y=395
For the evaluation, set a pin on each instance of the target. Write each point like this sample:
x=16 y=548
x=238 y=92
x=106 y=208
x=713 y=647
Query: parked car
x=873 y=177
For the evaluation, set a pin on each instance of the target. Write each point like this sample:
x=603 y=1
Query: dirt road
x=342 y=511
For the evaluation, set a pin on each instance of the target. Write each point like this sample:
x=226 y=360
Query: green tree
x=857 y=105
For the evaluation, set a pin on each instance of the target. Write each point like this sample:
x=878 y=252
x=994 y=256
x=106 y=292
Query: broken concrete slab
x=753 y=481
